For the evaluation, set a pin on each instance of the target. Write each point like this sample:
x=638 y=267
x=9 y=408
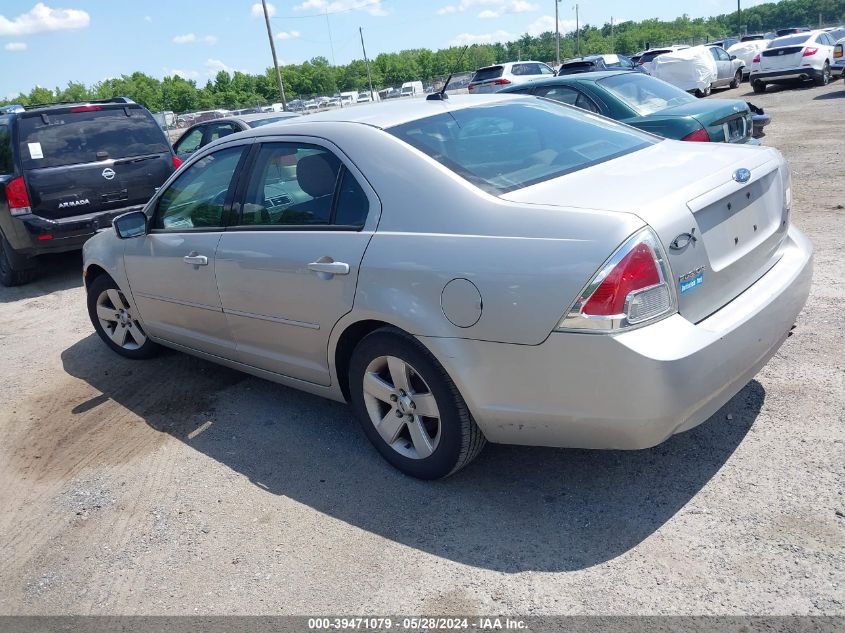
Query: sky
x=55 y=41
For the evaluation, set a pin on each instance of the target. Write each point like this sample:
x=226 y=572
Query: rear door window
x=70 y=138
x=7 y=163
x=219 y=130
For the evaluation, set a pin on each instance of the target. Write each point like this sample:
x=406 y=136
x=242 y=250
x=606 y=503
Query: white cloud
x=258 y=11
x=214 y=66
x=496 y=8
x=190 y=38
x=42 y=18
x=373 y=7
x=148 y=18
x=546 y=24
x=482 y=38
x=184 y=74
x=287 y=35
x=15 y=46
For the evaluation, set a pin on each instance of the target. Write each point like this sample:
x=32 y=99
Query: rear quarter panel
x=527 y=261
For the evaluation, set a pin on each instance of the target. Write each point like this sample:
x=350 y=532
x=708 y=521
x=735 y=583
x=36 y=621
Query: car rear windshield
x=588 y=64
x=483 y=74
x=55 y=139
x=789 y=41
x=647 y=57
x=645 y=94
x=506 y=146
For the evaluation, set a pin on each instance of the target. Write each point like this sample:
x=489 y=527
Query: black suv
x=67 y=169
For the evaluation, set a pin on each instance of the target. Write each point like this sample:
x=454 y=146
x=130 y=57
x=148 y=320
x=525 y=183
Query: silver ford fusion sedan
x=477 y=269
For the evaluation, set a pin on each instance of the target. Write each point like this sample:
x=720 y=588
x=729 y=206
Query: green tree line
x=318 y=77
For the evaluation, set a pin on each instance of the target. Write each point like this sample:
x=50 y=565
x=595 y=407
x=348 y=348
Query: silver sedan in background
x=494 y=268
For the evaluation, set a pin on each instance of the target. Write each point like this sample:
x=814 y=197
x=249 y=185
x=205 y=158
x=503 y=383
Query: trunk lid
x=781 y=58
x=739 y=227
x=80 y=161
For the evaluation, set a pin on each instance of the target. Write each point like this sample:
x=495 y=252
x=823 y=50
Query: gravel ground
x=175 y=486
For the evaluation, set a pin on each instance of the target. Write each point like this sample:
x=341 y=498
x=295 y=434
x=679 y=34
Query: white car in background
x=747 y=51
x=646 y=58
x=803 y=56
x=494 y=78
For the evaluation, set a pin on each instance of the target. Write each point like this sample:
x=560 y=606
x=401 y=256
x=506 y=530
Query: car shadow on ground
x=831 y=95
x=55 y=272
x=513 y=509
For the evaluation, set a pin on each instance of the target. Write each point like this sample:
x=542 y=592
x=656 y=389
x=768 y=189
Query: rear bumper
x=33 y=235
x=633 y=390
x=788 y=74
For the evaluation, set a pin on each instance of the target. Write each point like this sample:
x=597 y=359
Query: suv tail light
x=756 y=59
x=631 y=289
x=809 y=52
x=177 y=162
x=17 y=196
x=501 y=82
x=699 y=136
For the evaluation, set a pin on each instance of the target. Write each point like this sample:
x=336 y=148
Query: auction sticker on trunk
x=692 y=280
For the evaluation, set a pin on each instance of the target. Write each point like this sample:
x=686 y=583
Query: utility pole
x=275 y=61
x=331 y=43
x=612 y=47
x=738 y=19
x=557 y=33
x=367 y=62
x=577 y=33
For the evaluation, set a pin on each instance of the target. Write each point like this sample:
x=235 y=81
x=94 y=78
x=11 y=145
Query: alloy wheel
x=402 y=407
x=120 y=325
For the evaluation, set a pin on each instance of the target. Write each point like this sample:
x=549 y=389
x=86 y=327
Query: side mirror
x=733 y=57
x=132 y=224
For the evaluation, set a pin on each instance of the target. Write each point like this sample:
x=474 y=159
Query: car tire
x=737 y=79
x=392 y=377
x=10 y=273
x=758 y=87
x=116 y=320
x=824 y=79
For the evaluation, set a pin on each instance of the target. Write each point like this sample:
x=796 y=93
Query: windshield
x=508 y=146
x=789 y=41
x=69 y=138
x=837 y=34
x=483 y=74
x=644 y=94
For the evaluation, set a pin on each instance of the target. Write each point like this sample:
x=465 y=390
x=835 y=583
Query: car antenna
x=440 y=95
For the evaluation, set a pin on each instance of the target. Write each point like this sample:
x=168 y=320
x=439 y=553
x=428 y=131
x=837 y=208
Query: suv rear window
x=69 y=138
x=483 y=74
x=508 y=146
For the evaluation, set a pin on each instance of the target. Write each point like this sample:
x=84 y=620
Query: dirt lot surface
x=174 y=486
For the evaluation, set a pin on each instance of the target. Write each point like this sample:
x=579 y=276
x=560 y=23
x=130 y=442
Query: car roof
x=260 y=116
x=385 y=115
x=591 y=76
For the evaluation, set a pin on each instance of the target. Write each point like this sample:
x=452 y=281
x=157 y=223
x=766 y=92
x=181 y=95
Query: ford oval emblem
x=108 y=173
x=742 y=175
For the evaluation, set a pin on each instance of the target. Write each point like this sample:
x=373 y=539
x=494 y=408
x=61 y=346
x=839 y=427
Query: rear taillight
x=809 y=52
x=88 y=108
x=632 y=288
x=177 y=162
x=17 y=196
x=756 y=59
x=699 y=136
x=501 y=82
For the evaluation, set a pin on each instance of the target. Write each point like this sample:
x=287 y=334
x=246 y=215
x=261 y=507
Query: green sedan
x=651 y=105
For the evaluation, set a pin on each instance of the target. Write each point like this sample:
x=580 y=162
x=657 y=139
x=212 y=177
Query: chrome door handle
x=329 y=268
x=195 y=259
